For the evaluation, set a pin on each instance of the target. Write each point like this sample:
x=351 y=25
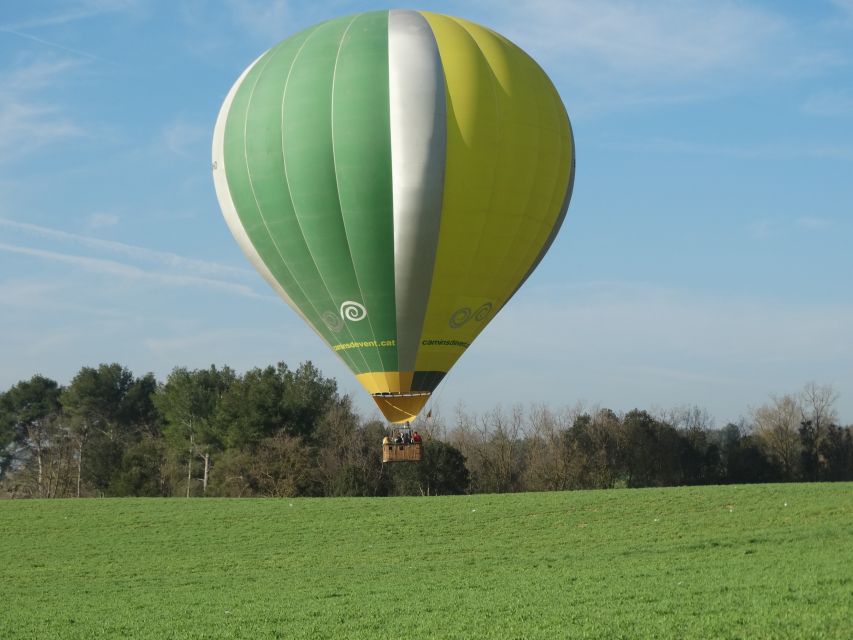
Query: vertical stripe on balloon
x=418 y=147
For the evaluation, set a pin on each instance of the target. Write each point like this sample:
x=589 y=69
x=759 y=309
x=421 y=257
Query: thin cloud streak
x=43 y=296
x=648 y=41
x=192 y=343
x=101 y=220
x=118 y=269
x=181 y=138
x=26 y=127
x=27 y=123
x=81 y=11
x=35 y=76
x=767 y=228
x=26 y=293
x=775 y=150
x=620 y=54
x=830 y=103
x=162 y=258
x=264 y=19
x=814 y=223
x=845 y=7
x=54 y=45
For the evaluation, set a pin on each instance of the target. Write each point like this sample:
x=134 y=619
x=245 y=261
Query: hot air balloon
x=395 y=176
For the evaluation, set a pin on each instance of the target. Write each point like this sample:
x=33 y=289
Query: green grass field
x=772 y=561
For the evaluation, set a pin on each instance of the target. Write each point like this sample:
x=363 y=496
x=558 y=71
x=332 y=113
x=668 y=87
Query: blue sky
x=706 y=258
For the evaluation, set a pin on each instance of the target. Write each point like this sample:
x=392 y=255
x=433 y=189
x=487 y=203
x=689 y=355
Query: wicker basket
x=402 y=452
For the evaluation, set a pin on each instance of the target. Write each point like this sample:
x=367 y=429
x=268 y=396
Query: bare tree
x=817 y=404
x=503 y=461
x=492 y=446
x=688 y=418
x=50 y=469
x=777 y=426
x=545 y=467
x=348 y=455
x=432 y=426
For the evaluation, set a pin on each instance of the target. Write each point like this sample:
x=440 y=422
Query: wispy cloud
x=39 y=295
x=100 y=220
x=181 y=137
x=161 y=258
x=646 y=41
x=131 y=272
x=261 y=21
x=35 y=76
x=70 y=12
x=772 y=227
x=26 y=293
x=762 y=229
x=771 y=150
x=54 y=45
x=613 y=55
x=813 y=223
x=26 y=127
x=193 y=342
x=265 y=19
x=830 y=103
x=845 y=8
x=27 y=121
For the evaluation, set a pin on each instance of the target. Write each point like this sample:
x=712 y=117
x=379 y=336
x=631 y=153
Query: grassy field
x=773 y=561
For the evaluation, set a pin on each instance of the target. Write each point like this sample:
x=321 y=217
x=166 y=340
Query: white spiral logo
x=354 y=311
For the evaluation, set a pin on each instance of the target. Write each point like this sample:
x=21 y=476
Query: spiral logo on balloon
x=461 y=316
x=331 y=320
x=354 y=311
x=483 y=312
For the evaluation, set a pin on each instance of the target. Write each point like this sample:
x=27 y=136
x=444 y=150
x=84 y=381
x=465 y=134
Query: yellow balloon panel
x=508 y=158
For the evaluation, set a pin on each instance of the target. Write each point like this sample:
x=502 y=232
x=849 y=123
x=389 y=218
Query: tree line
x=278 y=432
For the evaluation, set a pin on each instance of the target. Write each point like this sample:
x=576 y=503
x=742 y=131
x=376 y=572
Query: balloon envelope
x=395 y=176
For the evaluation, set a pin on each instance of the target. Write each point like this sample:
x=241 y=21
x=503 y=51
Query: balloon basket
x=402 y=452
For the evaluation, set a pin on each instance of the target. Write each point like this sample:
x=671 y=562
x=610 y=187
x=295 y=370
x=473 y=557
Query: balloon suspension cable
x=411 y=415
x=435 y=397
